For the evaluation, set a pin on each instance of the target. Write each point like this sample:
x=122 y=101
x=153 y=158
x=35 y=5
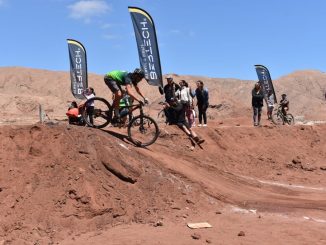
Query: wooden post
x=41 y=114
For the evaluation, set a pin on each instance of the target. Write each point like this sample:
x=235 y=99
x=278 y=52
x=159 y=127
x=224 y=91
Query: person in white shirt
x=270 y=104
x=186 y=99
x=89 y=93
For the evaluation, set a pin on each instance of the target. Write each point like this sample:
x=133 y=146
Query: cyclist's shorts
x=113 y=86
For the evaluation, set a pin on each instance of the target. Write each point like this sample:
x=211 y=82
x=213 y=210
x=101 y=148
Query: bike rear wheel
x=100 y=115
x=143 y=130
x=289 y=119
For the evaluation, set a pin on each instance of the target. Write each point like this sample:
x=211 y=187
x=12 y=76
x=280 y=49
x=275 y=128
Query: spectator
x=202 y=102
x=270 y=104
x=186 y=100
x=170 y=105
x=89 y=93
x=257 y=103
x=184 y=125
x=74 y=114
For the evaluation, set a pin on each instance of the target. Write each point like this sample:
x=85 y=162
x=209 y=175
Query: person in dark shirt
x=169 y=90
x=202 y=102
x=257 y=103
x=170 y=100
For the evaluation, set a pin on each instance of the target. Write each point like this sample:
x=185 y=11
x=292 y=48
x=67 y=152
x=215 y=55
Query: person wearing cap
x=170 y=90
x=257 y=103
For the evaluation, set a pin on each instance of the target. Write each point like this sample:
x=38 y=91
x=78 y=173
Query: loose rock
x=196 y=236
x=158 y=223
x=308 y=167
x=241 y=233
x=296 y=161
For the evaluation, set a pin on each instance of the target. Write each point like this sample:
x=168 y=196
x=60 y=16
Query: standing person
x=89 y=93
x=257 y=103
x=115 y=79
x=186 y=100
x=192 y=116
x=170 y=100
x=270 y=104
x=202 y=102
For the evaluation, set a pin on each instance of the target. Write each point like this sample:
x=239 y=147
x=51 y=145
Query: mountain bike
x=142 y=129
x=279 y=118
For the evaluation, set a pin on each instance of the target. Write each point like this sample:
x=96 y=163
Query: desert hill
x=23 y=89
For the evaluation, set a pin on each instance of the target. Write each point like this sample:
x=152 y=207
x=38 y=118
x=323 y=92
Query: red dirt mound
x=57 y=181
x=72 y=185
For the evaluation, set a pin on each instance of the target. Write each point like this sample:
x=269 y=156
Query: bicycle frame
x=133 y=108
x=281 y=114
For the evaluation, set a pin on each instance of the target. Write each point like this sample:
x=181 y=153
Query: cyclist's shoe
x=199 y=140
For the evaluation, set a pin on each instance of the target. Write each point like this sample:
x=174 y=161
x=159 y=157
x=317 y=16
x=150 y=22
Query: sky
x=214 y=38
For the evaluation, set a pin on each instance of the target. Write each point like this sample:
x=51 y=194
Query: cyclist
x=115 y=79
x=284 y=103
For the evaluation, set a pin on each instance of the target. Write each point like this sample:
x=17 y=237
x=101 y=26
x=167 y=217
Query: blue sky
x=215 y=38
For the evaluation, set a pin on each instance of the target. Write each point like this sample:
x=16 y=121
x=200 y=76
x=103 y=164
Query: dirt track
x=72 y=185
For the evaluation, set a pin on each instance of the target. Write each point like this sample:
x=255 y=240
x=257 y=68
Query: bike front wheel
x=289 y=119
x=277 y=118
x=143 y=130
x=97 y=112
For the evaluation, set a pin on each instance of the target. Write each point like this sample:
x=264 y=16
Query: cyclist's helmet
x=283 y=95
x=138 y=75
x=139 y=72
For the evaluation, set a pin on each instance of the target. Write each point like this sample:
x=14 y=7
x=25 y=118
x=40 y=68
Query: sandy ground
x=62 y=184
x=57 y=185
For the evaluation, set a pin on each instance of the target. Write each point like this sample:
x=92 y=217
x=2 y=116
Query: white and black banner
x=265 y=80
x=147 y=45
x=78 y=68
